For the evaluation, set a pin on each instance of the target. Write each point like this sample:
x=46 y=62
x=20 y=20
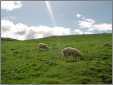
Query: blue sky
x=36 y=13
x=63 y=14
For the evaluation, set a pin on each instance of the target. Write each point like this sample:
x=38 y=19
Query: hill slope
x=22 y=62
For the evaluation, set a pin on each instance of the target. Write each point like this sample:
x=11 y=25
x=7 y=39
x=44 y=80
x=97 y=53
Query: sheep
x=43 y=46
x=73 y=52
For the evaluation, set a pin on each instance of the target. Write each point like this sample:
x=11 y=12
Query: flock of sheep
x=67 y=52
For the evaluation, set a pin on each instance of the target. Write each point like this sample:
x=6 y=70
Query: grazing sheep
x=43 y=46
x=69 y=51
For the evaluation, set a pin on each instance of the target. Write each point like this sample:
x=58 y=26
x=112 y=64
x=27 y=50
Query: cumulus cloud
x=103 y=26
x=22 y=32
x=89 y=26
x=10 y=5
x=78 y=31
x=86 y=23
x=7 y=26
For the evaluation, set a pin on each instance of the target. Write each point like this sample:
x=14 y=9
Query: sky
x=24 y=20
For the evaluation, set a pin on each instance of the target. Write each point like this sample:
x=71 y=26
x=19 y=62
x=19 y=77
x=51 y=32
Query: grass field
x=23 y=62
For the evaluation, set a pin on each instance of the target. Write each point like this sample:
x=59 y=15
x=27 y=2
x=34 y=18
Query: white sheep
x=73 y=52
x=43 y=46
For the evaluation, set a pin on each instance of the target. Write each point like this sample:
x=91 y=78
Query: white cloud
x=10 y=5
x=78 y=31
x=90 y=20
x=78 y=15
x=89 y=26
x=86 y=23
x=22 y=32
x=103 y=26
x=6 y=25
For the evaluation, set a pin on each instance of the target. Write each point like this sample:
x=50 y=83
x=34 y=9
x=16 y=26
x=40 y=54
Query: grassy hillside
x=23 y=62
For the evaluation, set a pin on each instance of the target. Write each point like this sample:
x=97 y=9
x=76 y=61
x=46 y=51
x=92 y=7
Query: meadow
x=23 y=63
